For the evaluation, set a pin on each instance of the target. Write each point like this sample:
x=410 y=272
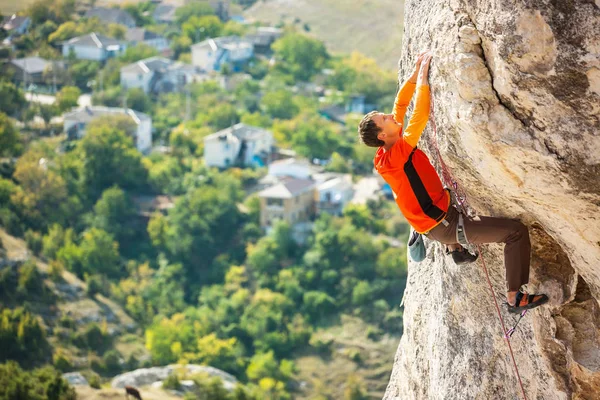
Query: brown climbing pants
x=480 y=230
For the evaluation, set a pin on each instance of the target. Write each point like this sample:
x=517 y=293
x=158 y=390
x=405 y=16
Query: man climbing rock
x=423 y=200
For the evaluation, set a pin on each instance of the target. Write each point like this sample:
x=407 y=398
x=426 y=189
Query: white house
x=334 y=192
x=14 y=26
x=212 y=54
x=111 y=16
x=75 y=123
x=159 y=74
x=297 y=168
x=93 y=46
x=239 y=144
x=141 y=35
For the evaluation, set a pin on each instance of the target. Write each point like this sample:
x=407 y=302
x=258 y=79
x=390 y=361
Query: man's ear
x=381 y=135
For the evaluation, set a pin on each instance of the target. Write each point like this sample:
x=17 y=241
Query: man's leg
x=517 y=248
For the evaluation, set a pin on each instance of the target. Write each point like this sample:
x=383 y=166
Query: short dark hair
x=368 y=131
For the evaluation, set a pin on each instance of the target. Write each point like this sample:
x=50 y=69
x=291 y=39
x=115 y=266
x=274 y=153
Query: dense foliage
x=200 y=278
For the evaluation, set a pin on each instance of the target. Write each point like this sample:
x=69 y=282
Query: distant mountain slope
x=72 y=303
x=372 y=27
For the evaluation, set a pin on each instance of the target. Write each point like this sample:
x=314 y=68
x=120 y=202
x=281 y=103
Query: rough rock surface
x=516 y=88
x=148 y=376
x=75 y=379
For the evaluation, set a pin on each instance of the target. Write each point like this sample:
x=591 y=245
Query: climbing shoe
x=463 y=256
x=525 y=301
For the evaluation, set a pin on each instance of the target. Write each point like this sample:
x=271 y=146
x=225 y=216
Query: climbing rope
x=461 y=198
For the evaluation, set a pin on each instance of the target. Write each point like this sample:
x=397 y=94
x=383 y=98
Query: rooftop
x=225 y=42
x=93 y=40
x=87 y=114
x=13 y=21
x=110 y=15
x=148 y=65
x=31 y=65
x=140 y=34
x=165 y=12
x=288 y=189
x=240 y=131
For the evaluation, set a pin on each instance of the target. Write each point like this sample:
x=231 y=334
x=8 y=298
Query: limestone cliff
x=516 y=88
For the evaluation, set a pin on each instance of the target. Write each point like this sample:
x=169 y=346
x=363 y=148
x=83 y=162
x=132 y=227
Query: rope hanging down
x=462 y=200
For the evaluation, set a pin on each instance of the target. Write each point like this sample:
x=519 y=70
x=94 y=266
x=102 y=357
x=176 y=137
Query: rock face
x=516 y=89
x=148 y=376
x=75 y=379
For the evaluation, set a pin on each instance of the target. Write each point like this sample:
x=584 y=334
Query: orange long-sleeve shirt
x=418 y=189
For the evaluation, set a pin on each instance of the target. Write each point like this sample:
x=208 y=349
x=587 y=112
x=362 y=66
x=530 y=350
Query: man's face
x=388 y=125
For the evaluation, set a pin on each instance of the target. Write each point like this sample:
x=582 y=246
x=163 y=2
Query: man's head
x=377 y=129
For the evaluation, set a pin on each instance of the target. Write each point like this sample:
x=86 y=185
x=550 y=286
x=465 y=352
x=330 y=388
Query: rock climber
x=423 y=200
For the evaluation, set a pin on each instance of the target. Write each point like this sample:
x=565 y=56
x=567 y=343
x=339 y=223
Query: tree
x=117 y=31
x=224 y=354
x=200 y=28
x=47 y=112
x=12 y=99
x=113 y=214
x=42 y=197
x=222 y=116
x=196 y=241
x=138 y=52
x=195 y=9
x=302 y=56
x=338 y=164
x=83 y=71
x=67 y=98
x=100 y=254
x=310 y=136
x=40 y=384
x=65 y=31
x=138 y=100
x=10 y=141
x=22 y=338
x=280 y=104
x=111 y=158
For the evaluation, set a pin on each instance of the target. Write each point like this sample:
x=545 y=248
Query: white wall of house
x=240 y=53
x=85 y=52
x=144 y=136
x=220 y=153
x=131 y=80
x=159 y=44
x=204 y=57
x=255 y=147
x=296 y=169
x=143 y=139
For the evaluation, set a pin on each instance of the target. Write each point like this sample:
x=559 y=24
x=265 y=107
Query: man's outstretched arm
x=406 y=92
x=420 y=115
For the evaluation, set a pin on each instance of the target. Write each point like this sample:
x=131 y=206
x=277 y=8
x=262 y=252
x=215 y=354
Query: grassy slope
x=372 y=27
x=329 y=376
x=81 y=308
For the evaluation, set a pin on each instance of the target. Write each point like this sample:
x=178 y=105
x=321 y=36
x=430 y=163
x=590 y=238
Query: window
x=275 y=202
x=140 y=77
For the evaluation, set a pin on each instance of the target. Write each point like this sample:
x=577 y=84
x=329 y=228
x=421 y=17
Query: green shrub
x=62 y=363
x=41 y=384
x=323 y=346
x=112 y=362
x=34 y=241
x=374 y=333
x=172 y=382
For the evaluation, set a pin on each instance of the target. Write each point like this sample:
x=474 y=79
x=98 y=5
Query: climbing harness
x=461 y=198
